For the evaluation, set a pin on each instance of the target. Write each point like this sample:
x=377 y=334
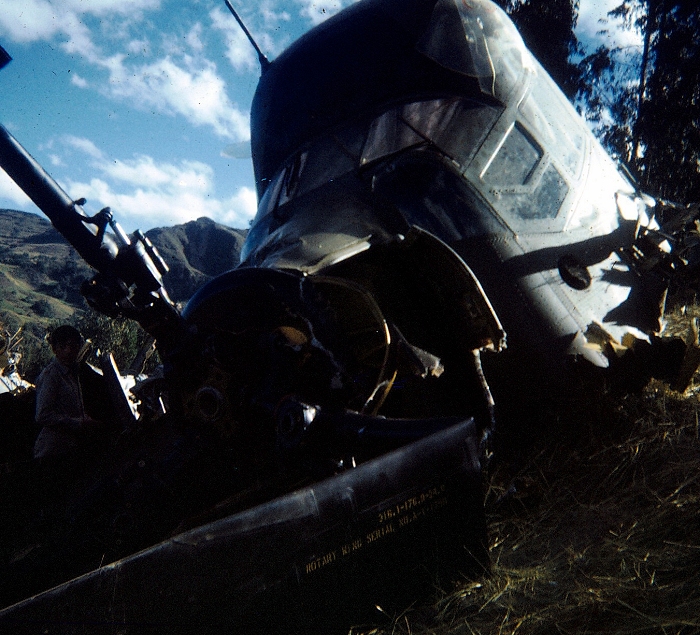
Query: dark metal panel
x=315 y=560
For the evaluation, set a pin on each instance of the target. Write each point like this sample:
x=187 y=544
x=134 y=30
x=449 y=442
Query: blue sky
x=143 y=105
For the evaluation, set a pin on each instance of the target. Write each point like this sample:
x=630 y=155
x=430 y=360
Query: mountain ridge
x=41 y=273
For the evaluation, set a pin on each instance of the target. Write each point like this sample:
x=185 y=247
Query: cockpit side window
x=461 y=137
x=551 y=118
x=515 y=162
x=546 y=199
x=521 y=181
x=325 y=161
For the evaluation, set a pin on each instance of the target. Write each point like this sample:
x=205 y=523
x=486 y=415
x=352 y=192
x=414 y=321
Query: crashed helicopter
x=424 y=188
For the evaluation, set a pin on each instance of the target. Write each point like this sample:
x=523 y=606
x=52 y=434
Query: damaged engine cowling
x=374 y=335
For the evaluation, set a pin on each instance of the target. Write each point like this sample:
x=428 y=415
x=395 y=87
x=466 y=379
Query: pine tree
x=645 y=101
x=667 y=130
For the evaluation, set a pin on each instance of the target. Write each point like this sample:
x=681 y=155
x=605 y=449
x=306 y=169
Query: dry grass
x=603 y=537
x=598 y=533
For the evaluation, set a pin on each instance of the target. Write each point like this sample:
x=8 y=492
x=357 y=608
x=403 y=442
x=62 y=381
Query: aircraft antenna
x=264 y=62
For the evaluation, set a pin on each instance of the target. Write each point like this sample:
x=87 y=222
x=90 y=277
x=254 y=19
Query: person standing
x=67 y=430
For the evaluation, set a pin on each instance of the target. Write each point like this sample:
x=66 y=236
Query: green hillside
x=41 y=274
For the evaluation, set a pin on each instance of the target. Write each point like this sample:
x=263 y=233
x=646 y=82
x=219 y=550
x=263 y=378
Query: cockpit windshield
x=456 y=126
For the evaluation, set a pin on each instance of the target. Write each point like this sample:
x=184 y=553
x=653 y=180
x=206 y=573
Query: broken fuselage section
x=400 y=118
x=424 y=188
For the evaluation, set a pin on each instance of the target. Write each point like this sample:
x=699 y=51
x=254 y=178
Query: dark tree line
x=667 y=125
x=644 y=101
x=121 y=337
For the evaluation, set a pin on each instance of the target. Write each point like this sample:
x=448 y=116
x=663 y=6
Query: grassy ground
x=598 y=533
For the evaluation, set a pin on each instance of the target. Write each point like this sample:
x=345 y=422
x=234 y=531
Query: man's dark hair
x=64 y=334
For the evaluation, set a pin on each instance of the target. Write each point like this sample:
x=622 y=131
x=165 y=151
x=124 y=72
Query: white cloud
x=239 y=50
x=139 y=47
x=170 y=203
x=84 y=145
x=80 y=43
x=103 y=7
x=32 y=20
x=194 y=38
x=144 y=193
x=273 y=18
x=78 y=81
x=144 y=172
x=141 y=191
x=594 y=27
x=240 y=209
x=198 y=94
x=183 y=83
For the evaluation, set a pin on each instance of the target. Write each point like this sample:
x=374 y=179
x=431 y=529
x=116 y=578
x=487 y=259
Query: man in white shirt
x=60 y=407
